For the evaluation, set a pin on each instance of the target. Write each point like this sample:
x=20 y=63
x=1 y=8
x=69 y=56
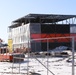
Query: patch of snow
x=56 y=65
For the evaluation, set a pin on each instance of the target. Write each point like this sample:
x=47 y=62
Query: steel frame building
x=36 y=26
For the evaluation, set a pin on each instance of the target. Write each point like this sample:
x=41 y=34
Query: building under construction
x=26 y=31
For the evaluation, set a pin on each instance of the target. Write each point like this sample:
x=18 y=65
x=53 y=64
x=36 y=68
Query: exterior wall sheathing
x=48 y=31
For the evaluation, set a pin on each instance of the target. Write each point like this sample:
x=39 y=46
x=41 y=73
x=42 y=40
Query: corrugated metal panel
x=73 y=28
x=74 y=35
x=35 y=28
x=47 y=35
x=55 y=28
x=47 y=28
x=62 y=29
x=44 y=46
x=35 y=46
x=49 y=31
x=35 y=36
x=63 y=35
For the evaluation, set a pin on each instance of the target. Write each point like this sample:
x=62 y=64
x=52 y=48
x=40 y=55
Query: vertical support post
x=19 y=61
x=6 y=53
x=72 y=55
x=72 y=21
x=47 y=56
x=28 y=59
x=35 y=46
x=62 y=22
x=12 y=64
x=66 y=21
x=69 y=20
x=0 y=53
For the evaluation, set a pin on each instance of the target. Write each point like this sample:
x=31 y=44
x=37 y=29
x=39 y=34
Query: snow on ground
x=56 y=66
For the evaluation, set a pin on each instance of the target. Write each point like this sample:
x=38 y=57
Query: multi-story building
x=24 y=30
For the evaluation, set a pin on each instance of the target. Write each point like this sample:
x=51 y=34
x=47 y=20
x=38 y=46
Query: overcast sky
x=13 y=9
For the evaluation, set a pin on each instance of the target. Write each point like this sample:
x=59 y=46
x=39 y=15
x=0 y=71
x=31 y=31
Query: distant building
x=3 y=47
x=24 y=30
x=1 y=40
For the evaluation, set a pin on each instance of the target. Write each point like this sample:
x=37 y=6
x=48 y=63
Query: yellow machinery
x=10 y=42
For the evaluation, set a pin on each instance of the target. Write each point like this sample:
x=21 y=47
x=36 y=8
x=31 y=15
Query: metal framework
x=43 y=18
